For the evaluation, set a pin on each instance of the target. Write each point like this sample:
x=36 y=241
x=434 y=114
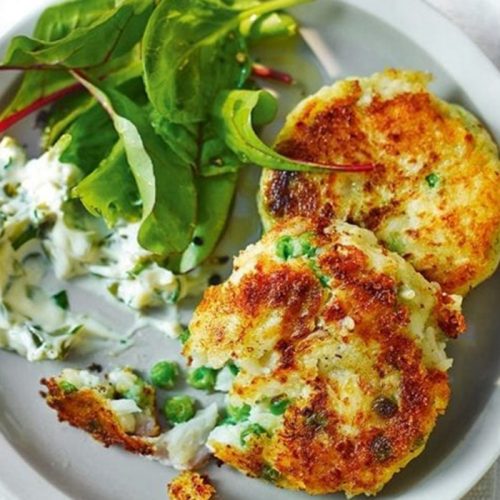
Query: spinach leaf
x=92 y=131
x=198 y=145
x=92 y=137
x=110 y=191
x=215 y=196
x=194 y=49
x=237 y=112
x=272 y=25
x=113 y=33
x=165 y=183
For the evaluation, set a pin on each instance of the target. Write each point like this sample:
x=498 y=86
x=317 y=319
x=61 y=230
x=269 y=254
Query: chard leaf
x=237 y=112
x=194 y=49
x=118 y=72
x=81 y=41
x=110 y=191
x=165 y=183
x=58 y=21
x=215 y=196
x=35 y=86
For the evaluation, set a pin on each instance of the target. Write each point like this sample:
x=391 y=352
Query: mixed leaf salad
x=160 y=103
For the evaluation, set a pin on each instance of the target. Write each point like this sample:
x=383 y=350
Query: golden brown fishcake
x=340 y=350
x=433 y=196
x=191 y=486
x=87 y=409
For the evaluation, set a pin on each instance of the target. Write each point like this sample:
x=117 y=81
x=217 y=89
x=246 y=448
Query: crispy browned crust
x=310 y=451
x=191 y=486
x=395 y=135
x=86 y=409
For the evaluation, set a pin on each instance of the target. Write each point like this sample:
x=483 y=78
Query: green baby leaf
x=92 y=137
x=272 y=25
x=110 y=191
x=198 y=145
x=194 y=49
x=236 y=113
x=215 y=196
x=165 y=183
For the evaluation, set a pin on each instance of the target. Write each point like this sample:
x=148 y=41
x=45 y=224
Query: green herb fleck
x=252 y=430
x=67 y=387
x=395 y=243
x=269 y=473
x=27 y=235
x=237 y=414
x=323 y=279
x=233 y=368
x=61 y=299
x=432 y=180
x=184 y=336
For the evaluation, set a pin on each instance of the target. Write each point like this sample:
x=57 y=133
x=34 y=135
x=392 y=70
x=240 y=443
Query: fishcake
x=338 y=346
x=433 y=194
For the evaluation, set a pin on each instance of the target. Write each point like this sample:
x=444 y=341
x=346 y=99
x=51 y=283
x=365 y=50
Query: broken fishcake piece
x=433 y=195
x=340 y=349
x=191 y=486
x=120 y=409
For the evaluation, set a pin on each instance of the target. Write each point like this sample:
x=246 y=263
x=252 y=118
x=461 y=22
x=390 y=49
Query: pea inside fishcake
x=433 y=195
x=339 y=349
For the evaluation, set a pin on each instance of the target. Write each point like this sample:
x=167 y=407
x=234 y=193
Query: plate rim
x=390 y=12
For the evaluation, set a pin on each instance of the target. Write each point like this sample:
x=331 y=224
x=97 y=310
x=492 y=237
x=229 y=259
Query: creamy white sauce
x=36 y=218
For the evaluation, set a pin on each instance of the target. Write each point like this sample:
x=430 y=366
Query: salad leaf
x=118 y=72
x=198 y=145
x=215 y=196
x=165 y=183
x=58 y=21
x=272 y=25
x=237 y=112
x=113 y=33
x=92 y=137
x=110 y=191
x=185 y=41
x=92 y=131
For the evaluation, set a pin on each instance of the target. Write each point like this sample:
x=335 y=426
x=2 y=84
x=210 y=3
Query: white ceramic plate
x=40 y=458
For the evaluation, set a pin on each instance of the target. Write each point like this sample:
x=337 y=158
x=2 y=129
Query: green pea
x=284 y=247
x=288 y=247
x=164 y=374
x=202 y=378
x=432 y=180
x=279 y=405
x=179 y=409
x=252 y=430
x=67 y=387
